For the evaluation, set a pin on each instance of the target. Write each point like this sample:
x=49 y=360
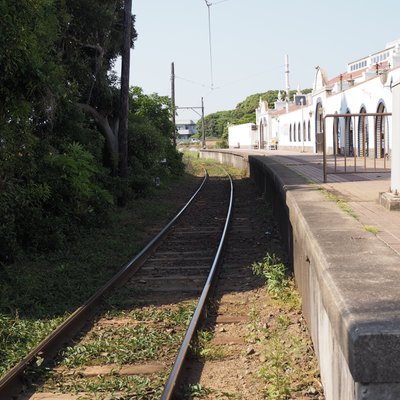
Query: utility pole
x=124 y=101
x=202 y=119
x=173 y=101
x=203 y=124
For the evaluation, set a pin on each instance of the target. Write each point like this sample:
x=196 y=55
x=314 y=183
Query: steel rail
x=177 y=367
x=11 y=383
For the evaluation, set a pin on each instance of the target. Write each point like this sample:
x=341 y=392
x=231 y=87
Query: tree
x=216 y=123
x=92 y=41
x=56 y=58
x=123 y=126
x=152 y=152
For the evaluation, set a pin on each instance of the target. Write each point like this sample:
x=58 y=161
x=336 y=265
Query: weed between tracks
x=112 y=387
x=138 y=339
x=289 y=367
x=202 y=348
x=122 y=345
x=37 y=293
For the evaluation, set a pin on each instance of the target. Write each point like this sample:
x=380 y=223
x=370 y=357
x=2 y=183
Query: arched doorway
x=336 y=136
x=263 y=133
x=381 y=134
x=362 y=135
x=349 y=132
x=319 y=128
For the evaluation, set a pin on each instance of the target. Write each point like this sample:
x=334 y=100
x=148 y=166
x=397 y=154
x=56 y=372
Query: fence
x=355 y=143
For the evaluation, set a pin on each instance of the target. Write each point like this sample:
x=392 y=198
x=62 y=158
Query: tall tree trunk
x=123 y=125
x=110 y=133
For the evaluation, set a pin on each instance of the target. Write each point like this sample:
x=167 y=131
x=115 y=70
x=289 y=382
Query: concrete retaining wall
x=349 y=282
x=236 y=160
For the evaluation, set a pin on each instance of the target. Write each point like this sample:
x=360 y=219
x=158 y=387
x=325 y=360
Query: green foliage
x=28 y=64
x=151 y=151
x=18 y=335
x=274 y=271
x=197 y=391
x=215 y=123
x=45 y=202
x=54 y=55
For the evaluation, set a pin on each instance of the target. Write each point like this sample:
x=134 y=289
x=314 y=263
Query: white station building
x=365 y=87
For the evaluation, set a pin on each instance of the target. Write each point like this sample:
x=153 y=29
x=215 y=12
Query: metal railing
x=350 y=152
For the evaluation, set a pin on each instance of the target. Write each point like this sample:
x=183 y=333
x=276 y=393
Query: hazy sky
x=249 y=41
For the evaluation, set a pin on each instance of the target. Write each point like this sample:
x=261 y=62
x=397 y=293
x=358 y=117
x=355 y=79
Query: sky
x=249 y=41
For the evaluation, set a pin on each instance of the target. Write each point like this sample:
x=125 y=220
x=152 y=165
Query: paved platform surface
x=360 y=189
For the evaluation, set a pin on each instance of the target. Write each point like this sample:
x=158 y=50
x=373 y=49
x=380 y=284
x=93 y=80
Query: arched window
x=290 y=132
x=309 y=131
x=299 y=132
x=304 y=131
x=294 y=132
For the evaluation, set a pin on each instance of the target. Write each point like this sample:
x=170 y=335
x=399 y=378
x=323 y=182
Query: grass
x=290 y=365
x=372 y=229
x=18 y=335
x=196 y=165
x=37 y=293
x=274 y=272
x=122 y=345
x=153 y=334
x=203 y=348
x=181 y=315
x=99 y=388
x=339 y=202
x=196 y=391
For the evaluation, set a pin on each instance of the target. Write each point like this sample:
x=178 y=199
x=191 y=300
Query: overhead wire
x=231 y=82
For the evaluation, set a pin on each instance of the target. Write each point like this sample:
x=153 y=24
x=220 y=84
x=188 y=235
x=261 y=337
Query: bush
x=41 y=211
x=274 y=272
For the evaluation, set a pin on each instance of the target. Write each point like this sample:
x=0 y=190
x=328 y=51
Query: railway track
x=171 y=331
x=131 y=344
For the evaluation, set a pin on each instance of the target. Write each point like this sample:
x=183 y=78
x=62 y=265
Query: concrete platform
x=345 y=248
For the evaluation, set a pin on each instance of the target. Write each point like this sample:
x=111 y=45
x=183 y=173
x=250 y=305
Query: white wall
x=242 y=136
x=368 y=94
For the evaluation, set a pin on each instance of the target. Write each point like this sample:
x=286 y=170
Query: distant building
x=185 y=129
x=365 y=87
